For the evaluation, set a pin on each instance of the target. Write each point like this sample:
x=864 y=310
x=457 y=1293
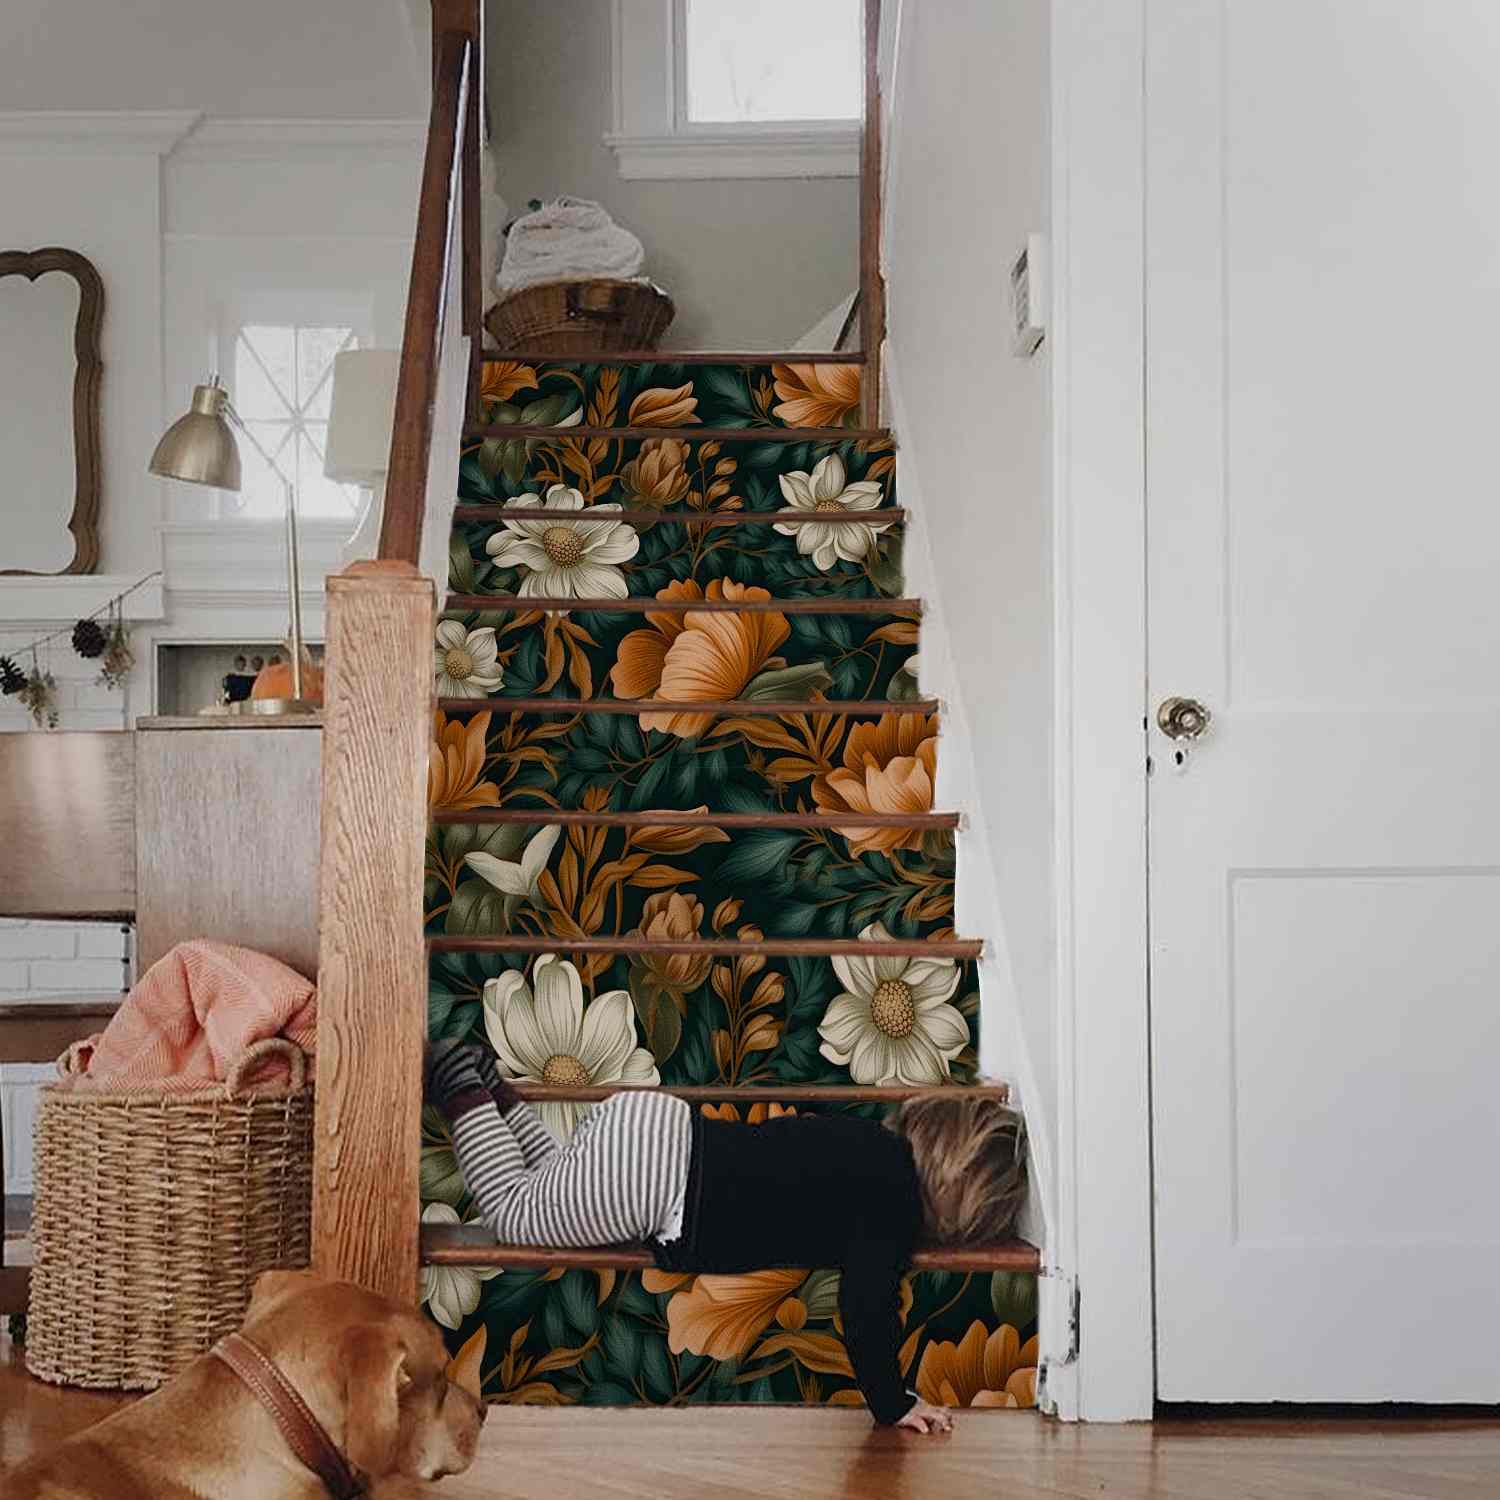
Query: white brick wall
x=38 y=959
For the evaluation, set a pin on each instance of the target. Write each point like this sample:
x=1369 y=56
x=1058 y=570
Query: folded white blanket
x=567 y=240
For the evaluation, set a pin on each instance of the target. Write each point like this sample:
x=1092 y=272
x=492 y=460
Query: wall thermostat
x=1028 y=296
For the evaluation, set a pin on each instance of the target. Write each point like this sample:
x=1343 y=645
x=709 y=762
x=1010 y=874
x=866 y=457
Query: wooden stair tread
x=533 y=432
x=471 y=512
x=667 y=818
x=750 y=1093
x=640 y=604
x=494 y=355
x=475 y=1245
x=725 y=706
x=525 y=942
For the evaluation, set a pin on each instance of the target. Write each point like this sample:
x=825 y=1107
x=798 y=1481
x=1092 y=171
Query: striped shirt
x=622 y=1177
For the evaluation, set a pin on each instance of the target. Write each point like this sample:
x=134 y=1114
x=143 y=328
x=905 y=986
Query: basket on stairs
x=595 y=316
x=156 y=1211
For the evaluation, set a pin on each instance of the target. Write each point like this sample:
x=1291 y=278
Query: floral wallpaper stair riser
x=597 y=1337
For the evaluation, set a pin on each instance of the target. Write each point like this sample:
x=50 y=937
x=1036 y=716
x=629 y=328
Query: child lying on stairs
x=713 y=1196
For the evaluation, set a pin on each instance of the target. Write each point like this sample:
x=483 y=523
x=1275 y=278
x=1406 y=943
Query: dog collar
x=304 y=1434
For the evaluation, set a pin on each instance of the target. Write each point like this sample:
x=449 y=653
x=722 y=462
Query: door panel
x=1323 y=310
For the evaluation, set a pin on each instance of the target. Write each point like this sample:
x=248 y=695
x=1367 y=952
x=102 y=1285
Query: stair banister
x=372 y=980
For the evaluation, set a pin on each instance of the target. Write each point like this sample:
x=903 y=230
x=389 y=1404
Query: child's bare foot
x=925 y=1418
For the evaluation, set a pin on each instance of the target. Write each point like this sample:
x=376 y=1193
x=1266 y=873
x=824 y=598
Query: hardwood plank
x=864 y=707
x=717 y=947
x=527 y=430
x=68 y=800
x=372 y=981
x=475 y=1245
x=665 y=818
x=894 y=514
x=635 y=605
x=746 y=1093
x=228 y=841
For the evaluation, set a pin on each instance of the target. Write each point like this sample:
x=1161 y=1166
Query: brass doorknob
x=1182 y=718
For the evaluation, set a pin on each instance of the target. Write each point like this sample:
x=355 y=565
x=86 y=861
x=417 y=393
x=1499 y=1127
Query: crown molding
x=115 y=132
x=276 y=139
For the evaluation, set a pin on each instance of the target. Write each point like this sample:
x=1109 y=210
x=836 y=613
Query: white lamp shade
x=364 y=409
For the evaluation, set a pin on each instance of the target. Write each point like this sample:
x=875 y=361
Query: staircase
x=680 y=743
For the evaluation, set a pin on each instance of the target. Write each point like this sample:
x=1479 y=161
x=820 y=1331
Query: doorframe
x=1104 y=1234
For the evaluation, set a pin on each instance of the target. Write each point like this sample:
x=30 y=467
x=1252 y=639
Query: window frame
x=653 y=139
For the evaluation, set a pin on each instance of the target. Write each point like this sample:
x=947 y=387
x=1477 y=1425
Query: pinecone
x=12 y=678
x=89 y=639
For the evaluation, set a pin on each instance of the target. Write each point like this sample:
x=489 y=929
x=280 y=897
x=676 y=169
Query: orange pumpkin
x=275 y=681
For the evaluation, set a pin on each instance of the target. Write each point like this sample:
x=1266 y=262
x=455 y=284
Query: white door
x=1323 y=524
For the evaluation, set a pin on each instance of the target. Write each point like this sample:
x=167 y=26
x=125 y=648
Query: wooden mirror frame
x=84 y=522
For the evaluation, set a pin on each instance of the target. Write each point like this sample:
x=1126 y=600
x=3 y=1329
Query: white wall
x=967 y=178
x=337 y=59
x=750 y=264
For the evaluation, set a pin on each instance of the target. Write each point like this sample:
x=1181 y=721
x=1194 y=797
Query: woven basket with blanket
x=571 y=283
x=173 y=1165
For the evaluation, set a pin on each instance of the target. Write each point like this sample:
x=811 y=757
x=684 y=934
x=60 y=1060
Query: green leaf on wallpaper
x=657 y=1012
x=655 y=1369
x=622 y=1345
x=478 y=909
x=460 y=565
x=609 y=1393
x=1013 y=1295
x=756 y=853
x=799 y=682
x=577 y=1293
x=491 y=456
x=886 y=572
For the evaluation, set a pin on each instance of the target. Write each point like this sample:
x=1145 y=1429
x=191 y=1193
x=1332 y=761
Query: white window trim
x=652 y=139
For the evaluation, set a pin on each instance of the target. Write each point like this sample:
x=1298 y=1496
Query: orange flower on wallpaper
x=817 y=395
x=657 y=476
x=455 y=761
x=890 y=766
x=722 y=1316
x=500 y=379
x=674 y=917
x=660 y=407
x=998 y=1370
x=696 y=657
x=757 y=1114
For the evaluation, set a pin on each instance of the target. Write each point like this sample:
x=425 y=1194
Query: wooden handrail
x=449 y=170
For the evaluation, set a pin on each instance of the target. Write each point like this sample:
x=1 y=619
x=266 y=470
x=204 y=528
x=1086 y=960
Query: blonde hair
x=970 y=1152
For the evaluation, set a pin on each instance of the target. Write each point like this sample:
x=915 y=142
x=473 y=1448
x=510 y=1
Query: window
x=282 y=389
x=771 y=61
x=737 y=88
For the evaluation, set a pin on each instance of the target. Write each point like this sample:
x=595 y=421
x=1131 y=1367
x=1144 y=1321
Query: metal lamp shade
x=200 y=447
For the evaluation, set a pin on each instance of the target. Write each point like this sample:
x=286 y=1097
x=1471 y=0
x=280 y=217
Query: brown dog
x=374 y=1374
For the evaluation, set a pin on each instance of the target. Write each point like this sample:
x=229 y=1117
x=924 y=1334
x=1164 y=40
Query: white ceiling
x=237 y=59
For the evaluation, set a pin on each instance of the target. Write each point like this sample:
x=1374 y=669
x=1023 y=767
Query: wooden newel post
x=372 y=975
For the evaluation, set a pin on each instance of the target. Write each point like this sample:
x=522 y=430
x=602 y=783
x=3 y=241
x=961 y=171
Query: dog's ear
x=373 y=1357
x=272 y=1287
x=465 y=1368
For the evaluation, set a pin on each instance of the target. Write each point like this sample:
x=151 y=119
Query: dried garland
x=106 y=641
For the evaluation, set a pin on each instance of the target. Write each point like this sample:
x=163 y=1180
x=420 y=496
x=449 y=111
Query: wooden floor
x=766 y=1453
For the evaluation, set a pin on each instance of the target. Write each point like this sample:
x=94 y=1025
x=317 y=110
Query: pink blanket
x=191 y=1016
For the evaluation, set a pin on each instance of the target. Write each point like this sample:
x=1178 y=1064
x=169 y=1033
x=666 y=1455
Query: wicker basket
x=154 y=1215
x=581 y=317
